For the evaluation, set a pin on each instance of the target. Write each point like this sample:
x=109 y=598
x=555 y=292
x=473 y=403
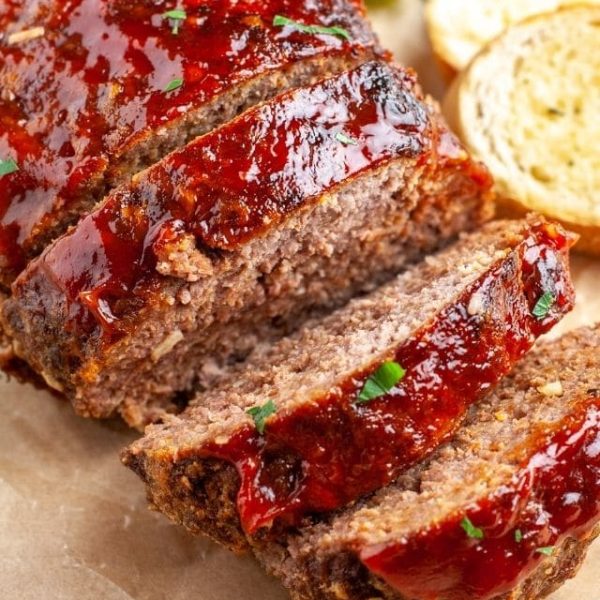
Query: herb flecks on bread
x=528 y=106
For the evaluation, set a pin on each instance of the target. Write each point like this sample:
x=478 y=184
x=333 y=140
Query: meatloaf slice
x=93 y=92
x=299 y=203
x=346 y=404
x=504 y=511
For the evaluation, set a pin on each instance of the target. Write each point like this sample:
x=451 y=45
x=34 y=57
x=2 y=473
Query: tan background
x=73 y=522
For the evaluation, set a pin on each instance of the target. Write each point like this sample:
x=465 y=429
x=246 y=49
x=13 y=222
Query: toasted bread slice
x=528 y=105
x=459 y=29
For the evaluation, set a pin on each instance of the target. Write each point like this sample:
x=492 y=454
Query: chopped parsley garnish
x=518 y=536
x=174 y=84
x=546 y=550
x=8 y=166
x=281 y=21
x=177 y=17
x=344 y=139
x=470 y=529
x=381 y=382
x=260 y=414
x=543 y=305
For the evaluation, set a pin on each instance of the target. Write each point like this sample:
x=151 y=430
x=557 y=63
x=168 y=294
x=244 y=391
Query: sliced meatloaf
x=93 y=92
x=299 y=203
x=346 y=404
x=504 y=511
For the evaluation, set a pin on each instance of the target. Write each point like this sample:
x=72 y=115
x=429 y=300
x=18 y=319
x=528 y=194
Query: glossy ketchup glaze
x=326 y=453
x=231 y=185
x=90 y=83
x=554 y=495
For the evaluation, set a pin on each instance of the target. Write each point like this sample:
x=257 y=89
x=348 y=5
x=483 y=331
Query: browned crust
x=199 y=494
x=10 y=363
x=344 y=576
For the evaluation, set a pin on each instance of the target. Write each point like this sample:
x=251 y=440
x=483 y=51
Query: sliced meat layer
x=298 y=204
x=504 y=511
x=93 y=92
x=346 y=404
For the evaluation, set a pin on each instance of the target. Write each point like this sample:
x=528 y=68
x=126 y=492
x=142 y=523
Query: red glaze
x=76 y=99
x=234 y=183
x=555 y=495
x=330 y=452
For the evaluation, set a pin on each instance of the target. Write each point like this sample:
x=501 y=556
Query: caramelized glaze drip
x=555 y=495
x=76 y=99
x=347 y=450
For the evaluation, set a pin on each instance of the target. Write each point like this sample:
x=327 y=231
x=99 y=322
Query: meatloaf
x=297 y=204
x=92 y=92
x=504 y=511
x=346 y=404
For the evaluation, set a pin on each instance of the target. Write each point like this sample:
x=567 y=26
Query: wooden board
x=73 y=521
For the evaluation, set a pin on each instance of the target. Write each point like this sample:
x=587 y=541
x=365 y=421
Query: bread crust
x=455 y=43
x=512 y=185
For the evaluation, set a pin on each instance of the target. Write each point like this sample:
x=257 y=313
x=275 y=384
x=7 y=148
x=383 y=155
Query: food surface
x=459 y=29
x=505 y=510
x=92 y=92
x=310 y=429
x=242 y=226
x=226 y=240
x=528 y=107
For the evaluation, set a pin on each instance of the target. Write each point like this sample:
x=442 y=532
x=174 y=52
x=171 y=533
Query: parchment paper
x=73 y=521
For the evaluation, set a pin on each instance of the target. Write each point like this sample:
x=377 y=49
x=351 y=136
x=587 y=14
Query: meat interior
x=487 y=452
x=323 y=355
x=316 y=261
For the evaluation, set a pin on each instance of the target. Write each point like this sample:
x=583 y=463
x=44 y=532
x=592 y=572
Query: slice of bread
x=528 y=106
x=459 y=29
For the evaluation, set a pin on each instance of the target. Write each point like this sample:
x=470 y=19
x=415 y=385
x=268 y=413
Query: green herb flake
x=8 y=166
x=381 y=382
x=543 y=305
x=518 y=536
x=177 y=16
x=260 y=414
x=546 y=550
x=281 y=21
x=174 y=84
x=470 y=529
x=344 y=139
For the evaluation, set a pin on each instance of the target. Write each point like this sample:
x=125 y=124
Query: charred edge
x=342 y=575
x=199 y=494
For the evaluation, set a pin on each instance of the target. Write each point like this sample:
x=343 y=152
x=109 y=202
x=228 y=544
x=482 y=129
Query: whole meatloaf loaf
x=92 y=92
x=297 y=204
x=346 y=404
x=505 y=511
